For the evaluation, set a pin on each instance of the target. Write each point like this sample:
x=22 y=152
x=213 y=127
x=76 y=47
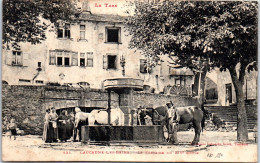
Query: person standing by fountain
x=48 y=129
x=63 y=126
x=54 y=116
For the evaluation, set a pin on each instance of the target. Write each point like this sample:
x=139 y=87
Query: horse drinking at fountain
x=180 y=115
x=101 y=117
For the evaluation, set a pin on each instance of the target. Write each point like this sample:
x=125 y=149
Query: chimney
x=85 y=6
x=82 y=5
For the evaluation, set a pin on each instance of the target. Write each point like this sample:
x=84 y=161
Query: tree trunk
x=196 y=84
x=242 y=127
x=202 y=85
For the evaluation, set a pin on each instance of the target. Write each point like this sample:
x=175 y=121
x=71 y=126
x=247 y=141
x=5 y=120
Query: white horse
x=101 y=117
x=80 y=116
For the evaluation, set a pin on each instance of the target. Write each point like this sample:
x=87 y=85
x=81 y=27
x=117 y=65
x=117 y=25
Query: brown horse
x=189 y=114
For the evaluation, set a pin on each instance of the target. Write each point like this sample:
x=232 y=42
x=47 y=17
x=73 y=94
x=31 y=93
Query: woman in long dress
x=53 y=119
x=48 y=129
x=71 y=119
x=63 y=126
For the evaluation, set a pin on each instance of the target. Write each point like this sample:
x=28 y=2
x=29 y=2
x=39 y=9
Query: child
x=12 y=127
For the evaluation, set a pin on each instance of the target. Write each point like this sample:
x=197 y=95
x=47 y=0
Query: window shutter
x=25 y=59
x=74 y=61
x=8 y=58
x=90 y=59
x=104 y=62
x=52 y=58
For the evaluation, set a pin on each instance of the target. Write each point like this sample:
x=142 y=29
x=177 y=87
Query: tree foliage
x=202 y=35
x=195 y=29
x=23 y=20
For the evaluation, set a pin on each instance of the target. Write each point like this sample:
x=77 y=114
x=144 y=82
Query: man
x=173 y=119
x=77 y=125
x=172 y=112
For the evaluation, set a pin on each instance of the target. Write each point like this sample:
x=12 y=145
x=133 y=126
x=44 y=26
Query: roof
x=101 y=17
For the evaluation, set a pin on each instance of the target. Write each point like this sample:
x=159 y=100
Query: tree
x=202 y=35
x=235 y=49
x=161 y=28
x=23 y=20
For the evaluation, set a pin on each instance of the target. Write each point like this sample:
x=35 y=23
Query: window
x=82 y=32
x=60 y=33
x=63 y=58
x=64 y=32
x=113 y=35
x=143 y=66
x=90 y=59
x=59 y=61
x=82 y=59
x=39 y=81
x=67 y=30
x=180 y=81
x=66 y=61
x=24 y=80
x=111 y=62
x=17 y=58
x=86 y=59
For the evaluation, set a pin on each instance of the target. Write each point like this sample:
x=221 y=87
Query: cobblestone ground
x=214 y=146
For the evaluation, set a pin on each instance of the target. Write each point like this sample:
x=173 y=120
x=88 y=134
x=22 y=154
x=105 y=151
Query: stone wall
x=154 y=100
x=27 y=104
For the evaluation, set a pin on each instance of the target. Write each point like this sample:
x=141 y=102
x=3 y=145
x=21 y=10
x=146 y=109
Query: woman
x=63 y=126
x=71 y=119
x=48 y=129
x=53 y=118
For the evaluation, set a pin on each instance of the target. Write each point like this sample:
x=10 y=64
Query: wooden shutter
x=52 y=58
x=105 y=62
x=90 y=59
x=8 y=58
x=74 y=61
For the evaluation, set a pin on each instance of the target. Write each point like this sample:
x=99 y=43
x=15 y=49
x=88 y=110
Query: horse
x=101 y=117
x=189 y=114
x=159 y=115
x=80 y=116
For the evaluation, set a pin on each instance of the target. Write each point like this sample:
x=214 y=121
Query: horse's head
x=77 y=110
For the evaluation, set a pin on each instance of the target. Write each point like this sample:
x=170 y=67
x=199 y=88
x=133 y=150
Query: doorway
x=228 y=94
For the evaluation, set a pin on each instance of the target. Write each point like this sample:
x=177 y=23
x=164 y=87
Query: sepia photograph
x=129 y=80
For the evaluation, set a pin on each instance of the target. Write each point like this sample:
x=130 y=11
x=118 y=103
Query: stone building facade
x=88 y=51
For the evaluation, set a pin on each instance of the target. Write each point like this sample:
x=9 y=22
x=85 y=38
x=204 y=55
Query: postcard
x=131 y=81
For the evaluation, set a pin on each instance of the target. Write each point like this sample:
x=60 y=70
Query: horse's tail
x=204 y=117
x=203 y=122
